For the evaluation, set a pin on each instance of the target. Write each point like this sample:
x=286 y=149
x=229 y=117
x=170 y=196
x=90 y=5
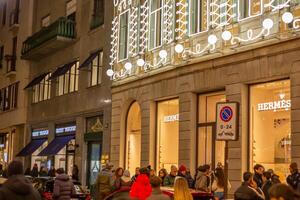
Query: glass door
x=94 y=157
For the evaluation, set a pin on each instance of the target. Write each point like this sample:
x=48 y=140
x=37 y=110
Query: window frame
x=249 y=10
x=198 y=18
x=162 y=25
x=9 y=97
x=99 y=67
x=127 y=39
x=44 y=85
x=65 y=81
x=72 y=13
x=4 y=14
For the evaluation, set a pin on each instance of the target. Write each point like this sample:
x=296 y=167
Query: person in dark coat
x=63 y=186
x=137 y=172
x=283 y=192
x=249 y=190
x=267 y=184
x=51 y=172
x=258 y=173
x=274 y=177
x=35 y=171
x=156 y=193
x=294 y=178
x=170 y=179
x=17 y=187
x=183 y=173
x=75 y=173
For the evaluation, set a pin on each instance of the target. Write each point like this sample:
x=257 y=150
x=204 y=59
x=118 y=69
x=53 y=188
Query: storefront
x=4 y=148
x=61 y=150
x=39 y=140
x=93 y=138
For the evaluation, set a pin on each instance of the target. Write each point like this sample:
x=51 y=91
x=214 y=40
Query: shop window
x=96 y=70
x=39 y=160
x=133 y=138
x=4 y=147
x=209 y=151
x=71 y=10
x=167 y=133
x=270 y=126
x=65 y=158
x=123 y=35
x=68 y=82
x=198 y=16
x=156 y=23
x=45 y=21
x=249 y=8
x=42 y=91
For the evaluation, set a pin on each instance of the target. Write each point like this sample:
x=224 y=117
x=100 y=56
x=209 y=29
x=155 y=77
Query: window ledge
x=96 y=29
x=94 y=86
x=34 y=103
x=70 y=93
x=7 y=111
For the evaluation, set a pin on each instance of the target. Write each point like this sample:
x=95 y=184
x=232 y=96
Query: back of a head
x=257 y=166
x=15 y=168
x=294 y=167
x=284 y=191
x=247 y=176
x=60 y=171
x=267 y=174
x=155 y=182
x=181 y=190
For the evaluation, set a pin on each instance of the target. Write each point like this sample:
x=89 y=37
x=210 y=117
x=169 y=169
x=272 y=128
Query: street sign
x=227 y=121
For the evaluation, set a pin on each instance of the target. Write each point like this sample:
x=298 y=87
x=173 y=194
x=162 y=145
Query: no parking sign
x=227 y=121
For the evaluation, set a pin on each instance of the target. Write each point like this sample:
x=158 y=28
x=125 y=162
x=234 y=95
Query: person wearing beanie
x=170 y=179
x=141 y=188
x=17 y=186
x=182 y=172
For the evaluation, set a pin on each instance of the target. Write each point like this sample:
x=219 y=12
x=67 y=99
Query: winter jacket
x=104 y=184
x=169 y=180
x=265 y=188
x=294 y=181
x=258 y=179
x=63 y=187
x=18 y=187
x=275 y=179
x=188 y=178
x=157 y=194
x=245 y=192
x=202 y=182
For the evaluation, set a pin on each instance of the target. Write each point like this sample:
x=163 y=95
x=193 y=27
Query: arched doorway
x=133 y=138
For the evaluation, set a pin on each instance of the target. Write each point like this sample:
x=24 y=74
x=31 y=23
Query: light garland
x=217 y=15
x=122 y=4
x=286 y=4
x=114 y=41
x=181 y=22
x=133 y=32
x=168 y=21
x=144 y=27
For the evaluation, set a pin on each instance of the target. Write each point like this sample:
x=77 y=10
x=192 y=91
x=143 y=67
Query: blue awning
x=56 y=145
x=32 y=147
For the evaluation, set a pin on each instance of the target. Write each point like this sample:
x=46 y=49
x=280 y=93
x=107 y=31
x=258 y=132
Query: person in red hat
x=183 y=172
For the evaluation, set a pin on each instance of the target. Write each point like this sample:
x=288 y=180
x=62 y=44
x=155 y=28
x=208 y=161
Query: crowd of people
x=145 y=183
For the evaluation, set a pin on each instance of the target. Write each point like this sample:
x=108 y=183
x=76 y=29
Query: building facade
x=172 y=62
x=14 y=73
x=69 y=99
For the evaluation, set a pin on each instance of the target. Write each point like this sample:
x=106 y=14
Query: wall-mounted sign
x=227 y=121
x=171 y=118
x=39 y=133
x=66 y=129
x=275 y=105
x=94 y=124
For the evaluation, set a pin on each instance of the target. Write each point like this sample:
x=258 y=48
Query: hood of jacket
x=63 y=177
x=18 y=184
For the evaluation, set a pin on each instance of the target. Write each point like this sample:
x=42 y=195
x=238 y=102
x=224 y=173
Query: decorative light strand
x=168 y=21
x=144 y=27
x=286 y=4
x=114 y=41
x=122 y=4
x=217 y=15
x=181 y=29
x=133 y=32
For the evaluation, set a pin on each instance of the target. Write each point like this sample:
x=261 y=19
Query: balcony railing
x=60 y=28
x=96 y=21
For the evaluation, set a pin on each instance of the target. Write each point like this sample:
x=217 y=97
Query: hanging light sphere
x=287 y=17
x=128 y=66
x=179 y=48
x=110 y=72
x=140 y=62
x=212 y=39
x=268 y=23
x=226 y=35
x=163 y=54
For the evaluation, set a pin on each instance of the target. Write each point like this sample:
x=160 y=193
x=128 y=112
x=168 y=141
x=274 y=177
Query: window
x=4 y=14
x=209 y=151
x=249 y=8
x=123 y=36
x=133 y=138
x=14 y=15
x=198 y=16
x=96 y=70
x=270 y=126
x=1 y=56
x=156 y=21
x=45 y=21
x=167 y=125
x=68 y=82
x=42 y=91
x=12 y=66
x=71 y=10
x=9 y=97
x=98 y=14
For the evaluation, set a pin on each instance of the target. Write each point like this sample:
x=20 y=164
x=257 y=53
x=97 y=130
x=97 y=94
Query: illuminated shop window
x=167 y=133
x=133 y=138
x=209 y=151
x=270 y=126
x=156 y=23
x=123 y=36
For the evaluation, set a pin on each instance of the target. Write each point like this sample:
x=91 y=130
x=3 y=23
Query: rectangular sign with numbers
x=227 y=121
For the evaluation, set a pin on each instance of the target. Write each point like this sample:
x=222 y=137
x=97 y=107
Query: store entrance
x=94 y=157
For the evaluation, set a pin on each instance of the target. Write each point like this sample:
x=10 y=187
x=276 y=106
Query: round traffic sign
x=226 y=114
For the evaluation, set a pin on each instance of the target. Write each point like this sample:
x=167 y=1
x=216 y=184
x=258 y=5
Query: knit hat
x=182 y=168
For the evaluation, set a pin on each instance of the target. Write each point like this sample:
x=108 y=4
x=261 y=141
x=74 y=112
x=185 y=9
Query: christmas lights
x=122 y=4
x=221 y=13
x=133 y=32
x=168 y=30
x=181 y=22
x=144 y=27
x=286 y=4
x=114 y=41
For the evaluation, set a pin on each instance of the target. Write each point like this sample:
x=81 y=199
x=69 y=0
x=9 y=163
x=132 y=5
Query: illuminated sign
x=66 y=129
x=171 y=118
x=274 y=105
x=38 y=133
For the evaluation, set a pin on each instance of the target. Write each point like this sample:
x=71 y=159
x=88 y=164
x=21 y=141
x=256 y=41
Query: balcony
x=49 y=39
x=14 y=21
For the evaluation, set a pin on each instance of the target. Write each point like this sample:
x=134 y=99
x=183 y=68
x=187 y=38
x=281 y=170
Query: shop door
x=209 y=151
x=94 y=157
